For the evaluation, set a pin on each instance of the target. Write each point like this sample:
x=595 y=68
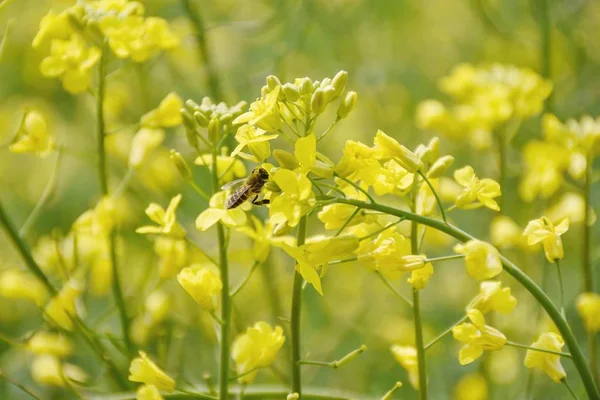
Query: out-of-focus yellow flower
x=166 y=115
x=172 y=255
x=61 y=309
x=477 y=337
x=257 y=142
x=216 y=212
x=493 y=297
x=581 y=137
x=544 y=166
x=52 y=26
x=503 y=366
x=157 y=306
x=47 y=370
x=143 y=370
x=264 y=239
x=481 y=258
x=295 y=200
x=471 y=387
x=256 y=349
x=227 y=167
x=588 y=306
x=49 y=253
x=144 y=141
x=390 y=148
x=101 y=275
x=571 y=205
x=334 y=216
x=148 y=392
x=166 y=219
x=264 y=112
x=506 y=234
x=99 y=221
x=543 y=231
x=319 y=251
x=432 y=114
x=16 y=284
x=549 y=363
x=72 y=61
x=203 y=284
x=407 y=357
x=33 y=135
x=477 y=192
x=50 y=343
x=420 y=276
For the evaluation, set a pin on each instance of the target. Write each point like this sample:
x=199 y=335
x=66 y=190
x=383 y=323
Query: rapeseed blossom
x=477 y=337
x=477 y=192
x=264 y=239
x=203 y=284
x=216 y=212
x=143 y=370
x=33 y=135
x=493 y=297
x=165 y=219
x=61 y=309
x=543 y=231
x=295 y=199
x=588 y=307
x=255 y=349
x=407 y=357
x=481 y=258
x=549 y=363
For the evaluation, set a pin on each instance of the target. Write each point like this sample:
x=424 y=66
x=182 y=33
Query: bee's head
x=261 y=173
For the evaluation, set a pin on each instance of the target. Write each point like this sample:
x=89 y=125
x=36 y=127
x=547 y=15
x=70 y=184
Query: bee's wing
x=233 y=184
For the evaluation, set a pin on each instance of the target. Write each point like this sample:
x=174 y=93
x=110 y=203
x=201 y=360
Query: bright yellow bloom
x=256 y=349
x=216 y=212
x=228 y=167
x=472 y=386
x=52 y=26
x=318 y=252
x=61 y=309
x=148 y=392
x=172 y=254
x=295 y=200
x=264 y=112
x=420 y=277
x=99 y=221
x=55 y=344
x=407 y=357
x=588 y=306
x=477 y=192
x=166 y=115
x=493 y=297
x=143 y=370
x=477 y=337
x=144 y=142
x=358 y=162
x=47 y=370
x=309 y=160
x=549 y=363
x=33 y=135
x=391 y=149
x=257 y=142
x=390 y=254
x=203 y=284
x=72 y=61
x=166 y=219
x=334 y=216
x=16 y=284
x=264 y=239
x=543 y=231
x=481 y=258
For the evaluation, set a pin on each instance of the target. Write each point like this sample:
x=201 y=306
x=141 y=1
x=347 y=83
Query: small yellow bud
x=318 y=102
x=273 y=82
x=347 y=105
x=306 y=86
x=192 y=105
x=440 y=166
x=214 y=130
x=180 y=164
x=188 y=119
x=291 y=92
x=143 y=370
x=201 y=119
x=339 y=83
x=226 y=118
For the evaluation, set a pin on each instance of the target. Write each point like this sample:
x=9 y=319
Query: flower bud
x=191 y=137
x=339 y=83
x=192 y=105
x=180 y=164
x=201 y=119
x=273 y=82
x=347 y=105
x=350 y=356
x=291 y=92
x=293 y=396
x=214 y=130
x=306 y=86
x=188 y=119
x=440 y=166
x=226 y=119
x=318 y=101
x=286 y=160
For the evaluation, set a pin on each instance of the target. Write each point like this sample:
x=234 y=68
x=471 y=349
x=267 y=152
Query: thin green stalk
x=385 y=228
x=561 y=288
x=556 y=316
x=393 y=289
x=246 y=279
x=103 y=180
x=337 y=363
x=524 y=346
x=569 y=388
x=296 y=316
x=347 y=222
x=444 y=258
x=19 y=385
x=357 y=187
x=225 y=297
x=447 y=331
x=545 y=45
x=437 y=198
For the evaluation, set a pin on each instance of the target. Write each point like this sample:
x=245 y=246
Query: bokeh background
x=395 y=53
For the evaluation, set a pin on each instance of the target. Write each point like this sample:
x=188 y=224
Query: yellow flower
x=99 y=221
x=390 y=148
x=477 y=337
x=420 y=276
x=172 y=254
x=101 y=274
x=493 y=297
x=506 y=234
x=571 y=205
x=228 y=167
x=544 y=166
x=295 y=200
x=390 y=254
x=472 y=386
x=543 y=230
x=264 y=112
x=257 y=142
x=581 y=137
x=481 y=258
x=166 y=219
x=264 y=239
x=143 y=370
x=144 y=141
x=55 y=344
x=358 y=162
x=217 y=213
x=305 y=151
x=407 y=357
x=588 y=306
x=52 y=26
x=477 y=192
x=549 y=363
x=72 y=61
x=61 y=309
x=203 y=284
x=256 y=349
x=319 y=251
x=33 y=135
x=148 y=392
x=47 y=370
x=334 y=216
x=22 y=285
x=166 y=115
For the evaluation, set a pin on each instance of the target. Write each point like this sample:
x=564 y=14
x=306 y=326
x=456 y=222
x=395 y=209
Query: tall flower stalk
x=295 y=321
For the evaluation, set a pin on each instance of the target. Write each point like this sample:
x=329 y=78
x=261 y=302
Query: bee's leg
x=261 y=202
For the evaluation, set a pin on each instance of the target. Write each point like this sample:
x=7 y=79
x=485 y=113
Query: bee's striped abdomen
x=236 y=199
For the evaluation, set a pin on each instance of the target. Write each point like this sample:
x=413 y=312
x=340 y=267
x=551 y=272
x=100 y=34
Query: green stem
x=385 y=228
x=444 y=258
x=347 y=222
x=447 y=331
x=569 y=388
x=296 y=314
x=561 y=288
x=560 y=322
x=337 y=363
x=393 y=289
x=437 y=198
x=545 y=46
x=20 y=386
x=246 y=279
x=225 y=297
x=357 y=187
x=524 y=346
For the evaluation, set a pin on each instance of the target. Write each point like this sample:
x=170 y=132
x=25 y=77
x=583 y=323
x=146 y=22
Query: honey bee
x=249 y=187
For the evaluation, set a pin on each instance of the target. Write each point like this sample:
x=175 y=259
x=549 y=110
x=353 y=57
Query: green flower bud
x=191 y=136
x=291 y=92
x=431 y=152
x=324 y=83
x=306 y=87
x=206 y=102
x=347 y=105
x=188 y=120
x=201 y=119
x=180 y=164
x=192 y=105
x=318 y=101
x=214 y=130
x=286 y=160
x=440 y=166
x=339 y=83
x=273 y=82
x=226 y=119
